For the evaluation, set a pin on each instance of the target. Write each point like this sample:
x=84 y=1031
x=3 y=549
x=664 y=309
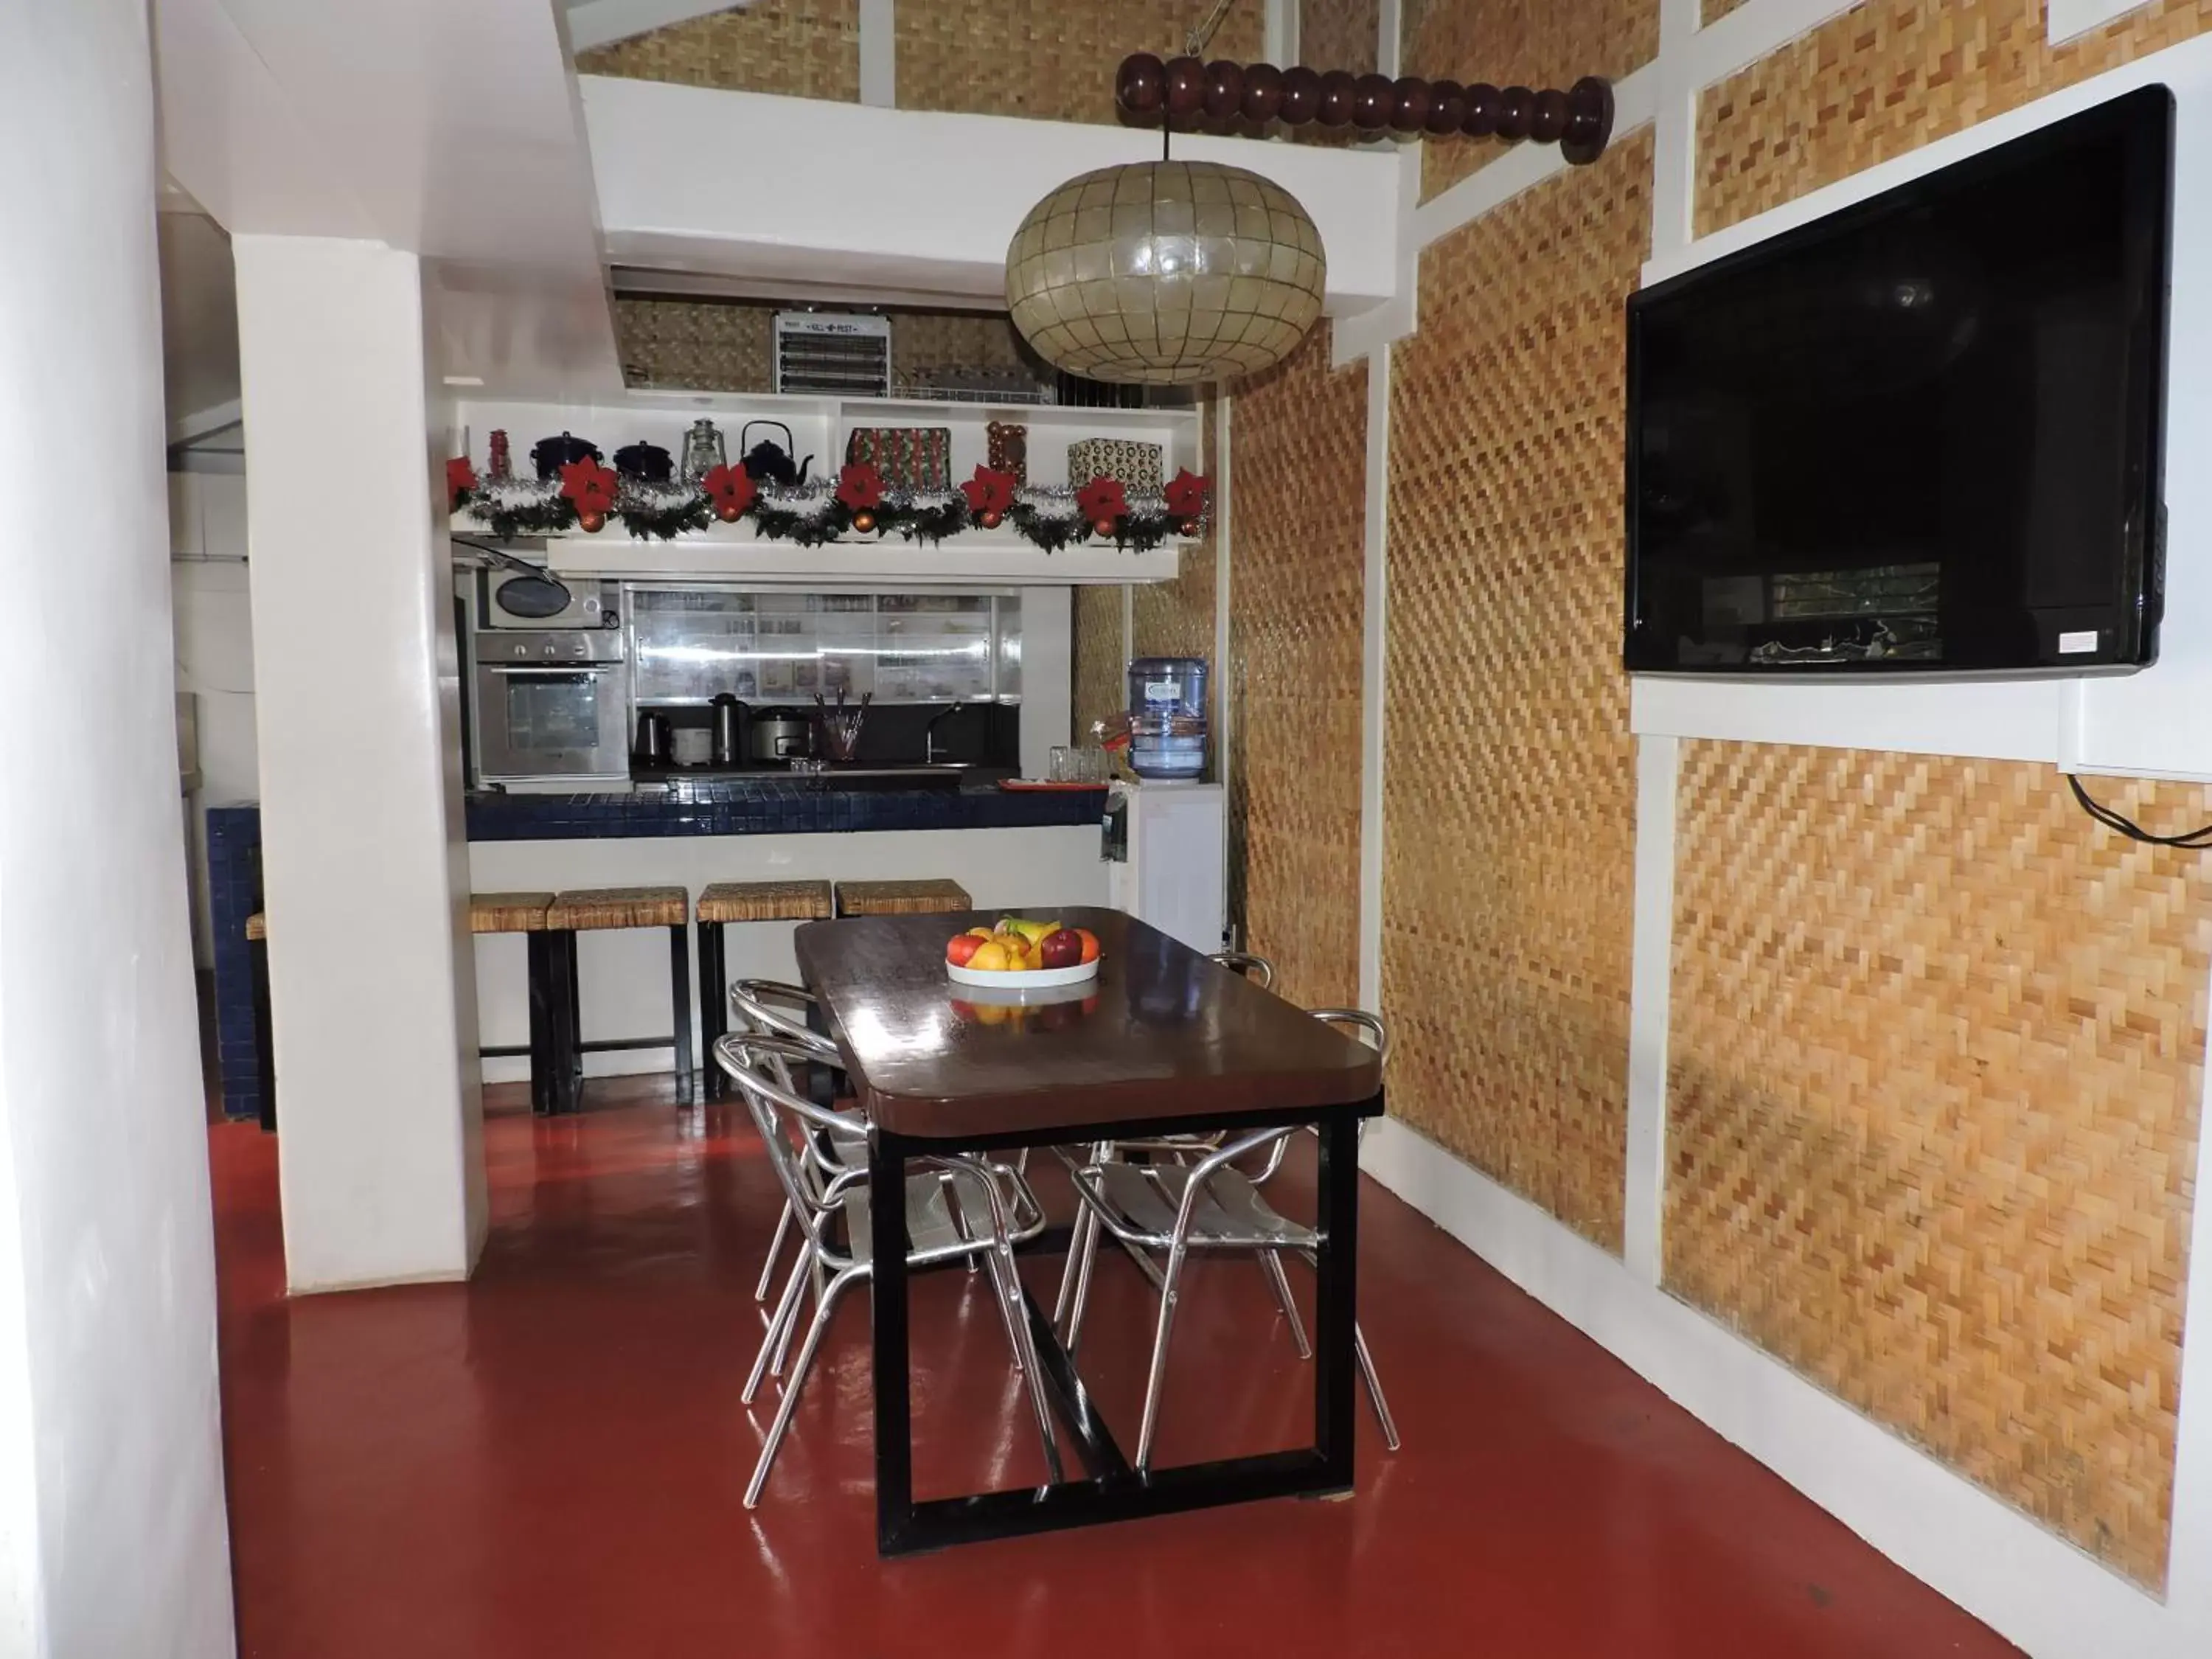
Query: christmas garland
x=586 y=494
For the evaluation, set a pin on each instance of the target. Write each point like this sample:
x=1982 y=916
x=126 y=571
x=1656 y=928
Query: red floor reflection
x=549 y=1461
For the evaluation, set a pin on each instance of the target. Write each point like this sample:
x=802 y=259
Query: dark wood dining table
x=1166 y=1043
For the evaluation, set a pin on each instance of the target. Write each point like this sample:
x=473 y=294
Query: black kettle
x=768 y=462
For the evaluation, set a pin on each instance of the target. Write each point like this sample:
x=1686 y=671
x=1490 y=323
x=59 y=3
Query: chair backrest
x=1372 y=1028
x=786 y=1120
x=1257 y=969
x=772 y=1008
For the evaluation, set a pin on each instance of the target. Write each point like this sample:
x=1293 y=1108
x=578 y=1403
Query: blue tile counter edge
x=772 y=806
x=765 y=806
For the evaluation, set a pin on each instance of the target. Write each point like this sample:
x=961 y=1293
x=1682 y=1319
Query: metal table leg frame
x=1114 y=1490
x=679 y=990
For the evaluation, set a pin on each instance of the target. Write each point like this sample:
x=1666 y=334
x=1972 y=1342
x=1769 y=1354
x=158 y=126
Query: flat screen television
x=1921 y=435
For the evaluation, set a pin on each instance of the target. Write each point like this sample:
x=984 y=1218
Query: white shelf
x=735 y=553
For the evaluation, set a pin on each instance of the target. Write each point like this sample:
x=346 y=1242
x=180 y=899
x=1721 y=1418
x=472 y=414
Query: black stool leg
x=565 y=1090
x=543 y=986
x=265 y=1035
x=679 y=987
x=714 y=1005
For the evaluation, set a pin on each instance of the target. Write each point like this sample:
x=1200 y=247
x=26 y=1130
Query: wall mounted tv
x=1920 y=435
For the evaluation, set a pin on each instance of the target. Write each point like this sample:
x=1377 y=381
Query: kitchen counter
x=776 y=803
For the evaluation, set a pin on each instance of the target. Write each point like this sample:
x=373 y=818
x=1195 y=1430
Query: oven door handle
x=548 y=670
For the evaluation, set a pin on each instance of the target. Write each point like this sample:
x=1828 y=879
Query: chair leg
x=1169 y=1293
x=1006 y=1279
x=775 y=1249
x=714 y=1007
x=792 y=1390
x=1374 y=1387
x=1271 y=1263
x=779 y=1328
x=1084 y=1222
x=1083 y=1287
x=679 y=991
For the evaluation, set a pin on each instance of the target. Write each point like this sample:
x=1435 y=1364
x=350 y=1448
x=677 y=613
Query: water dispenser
x=1167 y=718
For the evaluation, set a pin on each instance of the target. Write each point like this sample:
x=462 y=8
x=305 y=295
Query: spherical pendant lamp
x=1165 y=273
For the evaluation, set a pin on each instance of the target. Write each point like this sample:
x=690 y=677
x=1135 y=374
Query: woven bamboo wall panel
x=923 y=342
x=1101 y=659
x=703 y=345
x=1345 y=35
x=805 y=48
x=1935 y=1065
x=1886 y=77
x=1536 y=43
x=1716 y=9
x=1299 y=459
x=1051 y=59
x=1508 y=778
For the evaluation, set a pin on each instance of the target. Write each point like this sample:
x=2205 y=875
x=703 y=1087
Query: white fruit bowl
x=1035 y=979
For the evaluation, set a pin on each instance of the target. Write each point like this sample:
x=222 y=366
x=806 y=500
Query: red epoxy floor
x=549 y=1461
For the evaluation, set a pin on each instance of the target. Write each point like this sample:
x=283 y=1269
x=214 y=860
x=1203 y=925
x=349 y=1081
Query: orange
x=1089 y=943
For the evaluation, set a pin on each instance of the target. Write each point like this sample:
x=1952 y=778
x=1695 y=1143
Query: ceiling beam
x=204 y=422
x=602 y=22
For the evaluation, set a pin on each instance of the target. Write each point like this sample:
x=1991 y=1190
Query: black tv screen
x=1922 y=433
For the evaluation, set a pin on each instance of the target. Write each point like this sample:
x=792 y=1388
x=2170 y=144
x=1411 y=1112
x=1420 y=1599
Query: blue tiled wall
x=765 y=806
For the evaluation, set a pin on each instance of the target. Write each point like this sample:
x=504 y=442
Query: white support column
x=1374 y=630
x=879 y=53
x=1224 y=678
x=111 y=1531
x=364 y=857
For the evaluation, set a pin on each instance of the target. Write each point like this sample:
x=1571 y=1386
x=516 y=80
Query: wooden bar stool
x=264 y=1038
x=930 y=897
x=601 y=909
x=524 y=914
x=726 y=902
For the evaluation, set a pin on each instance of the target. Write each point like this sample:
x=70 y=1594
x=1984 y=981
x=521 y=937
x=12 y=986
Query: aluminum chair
x=1209 y=1206
x=958 y=1207
x=768 y=1007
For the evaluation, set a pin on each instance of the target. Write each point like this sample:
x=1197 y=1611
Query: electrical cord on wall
x=2199 y=840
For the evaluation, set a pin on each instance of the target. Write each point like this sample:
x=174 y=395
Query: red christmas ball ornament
x=1185 y=83
x=1301 y=96
x=1263 y=92
x=1102 y=527
x=1337 y=97
x=1140 y=86
x=1409 y=103
x=727 y=513
x=1373 y=98
x=992 y=520
x=864 y=521
x=1186 y=526
x=591 y=523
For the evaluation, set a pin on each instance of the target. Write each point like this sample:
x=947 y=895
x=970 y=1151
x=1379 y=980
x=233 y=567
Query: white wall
x=364 y=866
x=111 y=1530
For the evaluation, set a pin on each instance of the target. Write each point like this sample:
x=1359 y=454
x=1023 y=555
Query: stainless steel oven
x=551 y=706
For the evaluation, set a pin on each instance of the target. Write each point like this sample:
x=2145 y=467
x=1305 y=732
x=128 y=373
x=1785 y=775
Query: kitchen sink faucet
x=929 y=731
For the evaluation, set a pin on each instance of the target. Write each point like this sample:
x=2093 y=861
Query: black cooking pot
x=648 y=462
x=550 y=455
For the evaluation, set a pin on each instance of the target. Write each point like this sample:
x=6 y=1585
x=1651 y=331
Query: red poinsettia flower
x=589 y=485
x=461 y=479
x=730 y=488
x=1103 y=500
x=860 y=488
x=1187 y=494
x=989 y=492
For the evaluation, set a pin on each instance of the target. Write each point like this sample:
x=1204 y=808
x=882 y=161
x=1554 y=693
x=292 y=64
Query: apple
x=1061 y=948
x=962 y=949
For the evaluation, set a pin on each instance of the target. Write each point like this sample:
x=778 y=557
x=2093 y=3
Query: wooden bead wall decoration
x=1183 y=90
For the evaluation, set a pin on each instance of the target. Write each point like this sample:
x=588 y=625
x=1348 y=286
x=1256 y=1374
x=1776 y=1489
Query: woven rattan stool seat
x=927 y=897
x=508 y=913
x=587 y=909
x=765 y=901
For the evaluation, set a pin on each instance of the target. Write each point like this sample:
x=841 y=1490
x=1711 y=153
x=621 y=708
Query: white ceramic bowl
x=1039 y=979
